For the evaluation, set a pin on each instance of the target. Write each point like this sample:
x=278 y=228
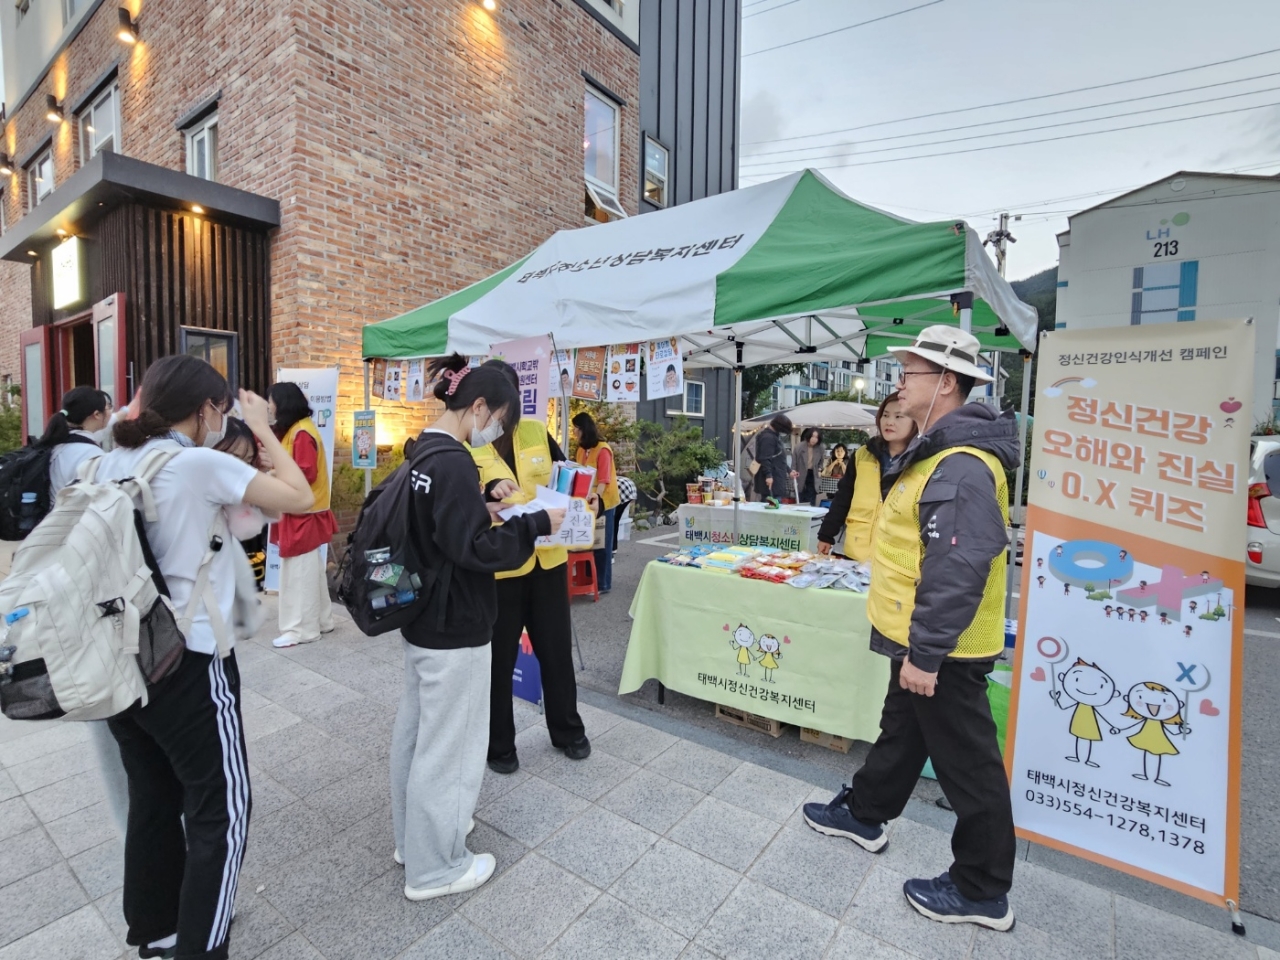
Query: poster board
x=588 y=373
x=1125 y=720
x=577 y=531
x=622 y=373
x=664 y=369
x=531 y=358
x=364 y=447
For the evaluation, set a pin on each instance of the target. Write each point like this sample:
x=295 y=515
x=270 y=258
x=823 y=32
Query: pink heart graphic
x=1230 y=405
x=726 y=628
x=1038 y=674
x=786 y=639
x=1208 y=709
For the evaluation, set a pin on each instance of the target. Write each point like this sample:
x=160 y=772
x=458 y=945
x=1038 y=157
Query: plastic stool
x=582 y=575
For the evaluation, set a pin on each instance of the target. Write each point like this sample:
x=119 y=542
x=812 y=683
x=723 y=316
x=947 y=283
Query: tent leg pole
x=737 y=441
x=368 y=474
x=1019 y=512
x=966 y=319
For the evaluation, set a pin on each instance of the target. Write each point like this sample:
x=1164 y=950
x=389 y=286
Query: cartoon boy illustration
x=1066 y=589
x=1142 y=615
x=1057 y=551
x=1124 y=554
x=1193 y=606
x=743 y=639
x=1164 y=618
x=769 y=655
x=1186 y=631
x=1155 y=707
x=1108 y=609
x=1040 y=582
x=1132 y=614
x=1039 y=562
x=1090 y=688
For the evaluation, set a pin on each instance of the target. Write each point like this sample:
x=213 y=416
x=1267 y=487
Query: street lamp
x=858 y=385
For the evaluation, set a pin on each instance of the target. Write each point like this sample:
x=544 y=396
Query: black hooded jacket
x=967 y=530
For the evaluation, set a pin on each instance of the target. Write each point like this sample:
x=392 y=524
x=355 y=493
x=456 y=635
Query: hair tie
x=65 y=414
x=454 y=379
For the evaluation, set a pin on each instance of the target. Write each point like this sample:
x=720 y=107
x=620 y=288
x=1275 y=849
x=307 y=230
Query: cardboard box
x=742 y=718
x=828 y=740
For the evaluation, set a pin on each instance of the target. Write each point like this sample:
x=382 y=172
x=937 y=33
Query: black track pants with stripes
x=184 y=753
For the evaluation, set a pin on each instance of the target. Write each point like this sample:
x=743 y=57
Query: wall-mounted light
x=32 y=253
x=53 y=110
x=60 y=232
x=196 y=208
x=6 y=165
x=127 y=32
x=490 y=5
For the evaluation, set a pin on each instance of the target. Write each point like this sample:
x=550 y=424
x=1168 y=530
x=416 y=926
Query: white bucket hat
x=950 y=348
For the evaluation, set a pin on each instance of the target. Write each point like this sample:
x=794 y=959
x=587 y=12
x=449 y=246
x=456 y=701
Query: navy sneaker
x=835 y=820
x=938 y=899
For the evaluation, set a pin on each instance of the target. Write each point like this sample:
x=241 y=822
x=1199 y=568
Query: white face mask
x=482 y=438
x=212 y=439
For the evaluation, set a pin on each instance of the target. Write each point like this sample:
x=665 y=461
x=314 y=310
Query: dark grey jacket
x=962 y=530
x=772 y=456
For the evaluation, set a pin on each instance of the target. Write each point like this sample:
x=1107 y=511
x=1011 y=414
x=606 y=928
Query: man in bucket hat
x=936 y=606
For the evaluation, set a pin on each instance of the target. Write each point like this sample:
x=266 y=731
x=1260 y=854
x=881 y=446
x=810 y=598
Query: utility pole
x=1000 y=238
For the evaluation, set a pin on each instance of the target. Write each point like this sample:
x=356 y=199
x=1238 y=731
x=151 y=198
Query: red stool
x=582 y=575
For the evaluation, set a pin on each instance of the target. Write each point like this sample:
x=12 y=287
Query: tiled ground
x=654 y=847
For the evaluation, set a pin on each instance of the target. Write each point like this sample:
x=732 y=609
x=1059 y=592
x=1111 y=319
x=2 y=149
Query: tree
x=756 y=382
x=670 y=458
x=614 y=426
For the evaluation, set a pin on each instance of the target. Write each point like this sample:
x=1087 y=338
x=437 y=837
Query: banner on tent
x=622 y=375
x=664 y=368
x=588 y=373
x=1125 y=724
x=392 y=380
x=531 y=358
x=416 y=381
x=562 y=364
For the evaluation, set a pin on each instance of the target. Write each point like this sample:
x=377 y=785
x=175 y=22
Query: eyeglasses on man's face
x=902 y=375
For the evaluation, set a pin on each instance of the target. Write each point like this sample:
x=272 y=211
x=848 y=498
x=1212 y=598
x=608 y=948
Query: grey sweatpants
x=438 y=750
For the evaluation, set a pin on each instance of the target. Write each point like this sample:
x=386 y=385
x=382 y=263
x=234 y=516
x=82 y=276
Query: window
x=202 y=149
x=215 y=347
x=1164 y=292
x=100 y=125
x=693 y=397
x=600 y=158
x=70 y=8
x=655 y=172
x=40 y=178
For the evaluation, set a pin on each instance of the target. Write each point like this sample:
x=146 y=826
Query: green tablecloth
x=683 y=634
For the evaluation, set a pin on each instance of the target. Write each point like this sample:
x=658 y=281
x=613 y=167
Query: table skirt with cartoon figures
x=799 y=656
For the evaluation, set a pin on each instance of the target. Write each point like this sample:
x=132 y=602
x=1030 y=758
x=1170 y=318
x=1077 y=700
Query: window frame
x=591 y=91
x=88 y=149
x=684 y=410
x=30 y=173
x=186 y=333
x=665 y=175
x=206 y=127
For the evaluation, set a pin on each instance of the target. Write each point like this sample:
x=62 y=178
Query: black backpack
x=383 y=580
x=26 y=471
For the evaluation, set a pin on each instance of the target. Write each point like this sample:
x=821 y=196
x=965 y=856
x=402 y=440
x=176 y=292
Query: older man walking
x=936 y=606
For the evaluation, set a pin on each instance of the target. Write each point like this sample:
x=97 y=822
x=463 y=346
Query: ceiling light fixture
x=128 y=29
x=60 y=232
x=53 y=109
x=32 y=253
x=196 y=208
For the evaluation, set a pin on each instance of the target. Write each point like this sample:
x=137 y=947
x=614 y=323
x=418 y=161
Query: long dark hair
x=173 y=389
x=781 y=424
x=78 y=405
x=291 y=406
x=808 y=432
x=590 y=432
x=239 y=437
x=457 y=386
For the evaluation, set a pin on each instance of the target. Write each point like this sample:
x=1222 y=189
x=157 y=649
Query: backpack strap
x=151 y=465
x=202 y=590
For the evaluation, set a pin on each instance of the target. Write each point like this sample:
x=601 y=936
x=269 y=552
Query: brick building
x=253 y=182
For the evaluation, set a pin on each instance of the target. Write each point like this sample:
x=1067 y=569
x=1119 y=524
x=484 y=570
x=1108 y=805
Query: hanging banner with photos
x=391 y=385
x=416 y=381
x=562 y=374
x=531 y=358
x=664 y=368
x=588 y=373
x=622 y=375
x=379 y=378
x=1124 y=735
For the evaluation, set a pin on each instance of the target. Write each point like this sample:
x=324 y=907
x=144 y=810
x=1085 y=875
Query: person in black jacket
x=442 y=727
x=773 y=479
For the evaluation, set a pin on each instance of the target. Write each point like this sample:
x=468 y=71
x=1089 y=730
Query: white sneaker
x=481 y=872
x=289 y=641
x=398 y=857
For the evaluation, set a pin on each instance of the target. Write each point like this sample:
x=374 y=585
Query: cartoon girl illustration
x=769 y=655
x=1132 y=612
x=1186 y=631
x=1142 y=614
x=1040 y=581
x=1089 y=687
x=1109 y=610
x=1164 y=618
x=1066 y=589
x=1124 y=554
x=743 y=639
x=1155 y=707
x=1039 y=561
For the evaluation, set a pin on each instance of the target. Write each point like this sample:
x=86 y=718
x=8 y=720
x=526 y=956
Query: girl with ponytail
x=75 y=433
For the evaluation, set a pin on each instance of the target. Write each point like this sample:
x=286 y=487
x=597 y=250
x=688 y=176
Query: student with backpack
x=441 y=733
x=184 y=751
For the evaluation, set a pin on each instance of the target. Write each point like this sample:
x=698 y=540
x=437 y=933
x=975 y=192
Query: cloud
x=762 y=119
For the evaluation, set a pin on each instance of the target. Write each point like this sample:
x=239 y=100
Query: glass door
x=37 y=385
x=109 y=349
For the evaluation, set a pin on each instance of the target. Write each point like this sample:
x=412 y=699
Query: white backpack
x=85 y=608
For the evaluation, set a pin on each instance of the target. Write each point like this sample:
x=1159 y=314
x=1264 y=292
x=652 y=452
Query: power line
x=748 y=16
x=1005 y=103
x=852 y=26
x=1032 y=116
x=1003 y=133
x=1023 y=143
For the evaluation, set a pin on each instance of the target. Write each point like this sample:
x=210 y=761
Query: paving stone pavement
x=654 y=847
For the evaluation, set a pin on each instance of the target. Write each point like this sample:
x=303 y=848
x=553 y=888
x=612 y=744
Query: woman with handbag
x=772 y=476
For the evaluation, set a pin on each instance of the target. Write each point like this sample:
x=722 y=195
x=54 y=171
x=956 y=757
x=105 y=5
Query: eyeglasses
x=902 y=377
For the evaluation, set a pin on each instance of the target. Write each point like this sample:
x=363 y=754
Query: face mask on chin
x=212 y=439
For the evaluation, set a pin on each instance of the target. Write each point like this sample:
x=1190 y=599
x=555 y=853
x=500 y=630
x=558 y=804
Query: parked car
x=1262 y=566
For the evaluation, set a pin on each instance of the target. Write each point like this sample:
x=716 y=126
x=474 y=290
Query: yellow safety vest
x=533 y=460
x=589 y=458
x=859 y=525
x=319 y=488
x=899 y=553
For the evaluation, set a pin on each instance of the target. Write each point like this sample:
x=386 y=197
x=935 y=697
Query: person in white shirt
x=184 y=751
x=75 y=433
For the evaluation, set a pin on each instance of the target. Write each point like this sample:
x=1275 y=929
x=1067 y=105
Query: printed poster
x=415 y=382
x=665 y=368
x=531 y=358
x=588 y=373
x=391 y=386
x=578 y=530
x=379 y=378
x=562 y=365
x=1125 y=717
x=364 y=450
x=622 y=376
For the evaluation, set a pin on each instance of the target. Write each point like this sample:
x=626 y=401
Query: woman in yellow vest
x=533 y=599
x=594 y=452
x=305 y=611
x=862 y=488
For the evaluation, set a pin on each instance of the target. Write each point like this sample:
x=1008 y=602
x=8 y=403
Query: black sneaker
x=580 y=749
x=505 y=765
x=835 y=820
x=152 y=953
x=938 y=899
